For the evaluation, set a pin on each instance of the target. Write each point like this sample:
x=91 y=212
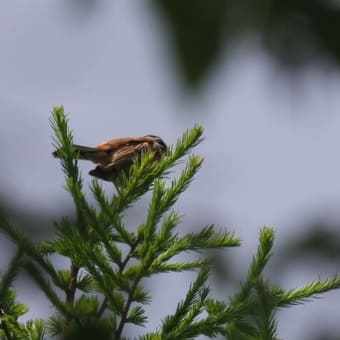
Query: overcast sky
x=271 y=143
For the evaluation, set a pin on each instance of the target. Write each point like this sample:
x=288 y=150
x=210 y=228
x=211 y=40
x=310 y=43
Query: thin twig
x=121 y=269
x=71 y=289
x=128 y=256
x=126 y=310
x=70 y=293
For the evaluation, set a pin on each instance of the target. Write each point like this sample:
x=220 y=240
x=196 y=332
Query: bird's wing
x=127 y=153
x=115 y=144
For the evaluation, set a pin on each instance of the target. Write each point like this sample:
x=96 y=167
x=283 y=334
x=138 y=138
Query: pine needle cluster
x=102 y=290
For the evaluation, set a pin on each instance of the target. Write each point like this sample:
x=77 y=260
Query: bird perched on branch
x=117 y=155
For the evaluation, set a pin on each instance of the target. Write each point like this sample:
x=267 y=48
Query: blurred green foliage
x=294 y=32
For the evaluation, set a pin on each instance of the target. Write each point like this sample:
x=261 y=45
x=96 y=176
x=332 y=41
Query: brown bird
x=117 y=155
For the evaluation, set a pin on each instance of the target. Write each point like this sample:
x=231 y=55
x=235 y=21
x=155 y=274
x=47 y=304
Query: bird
x=117 y=155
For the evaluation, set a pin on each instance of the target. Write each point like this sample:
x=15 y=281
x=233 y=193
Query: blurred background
x=261 y=76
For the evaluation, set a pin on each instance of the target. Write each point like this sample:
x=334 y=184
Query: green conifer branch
x=8 y=277
x=247 y=301
x=146 y=171
x=172 y=324
x=30 y=249
x=310 y=291
x=10 y=311
x=266 y=323
x=109 y=260
x=50 y=293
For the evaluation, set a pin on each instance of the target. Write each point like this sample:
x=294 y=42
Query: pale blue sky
x=272 y=143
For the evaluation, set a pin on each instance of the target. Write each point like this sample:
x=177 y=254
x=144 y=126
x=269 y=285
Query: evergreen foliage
x=102 y=290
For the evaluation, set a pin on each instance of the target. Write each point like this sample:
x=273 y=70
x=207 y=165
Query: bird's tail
x=85 y=152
